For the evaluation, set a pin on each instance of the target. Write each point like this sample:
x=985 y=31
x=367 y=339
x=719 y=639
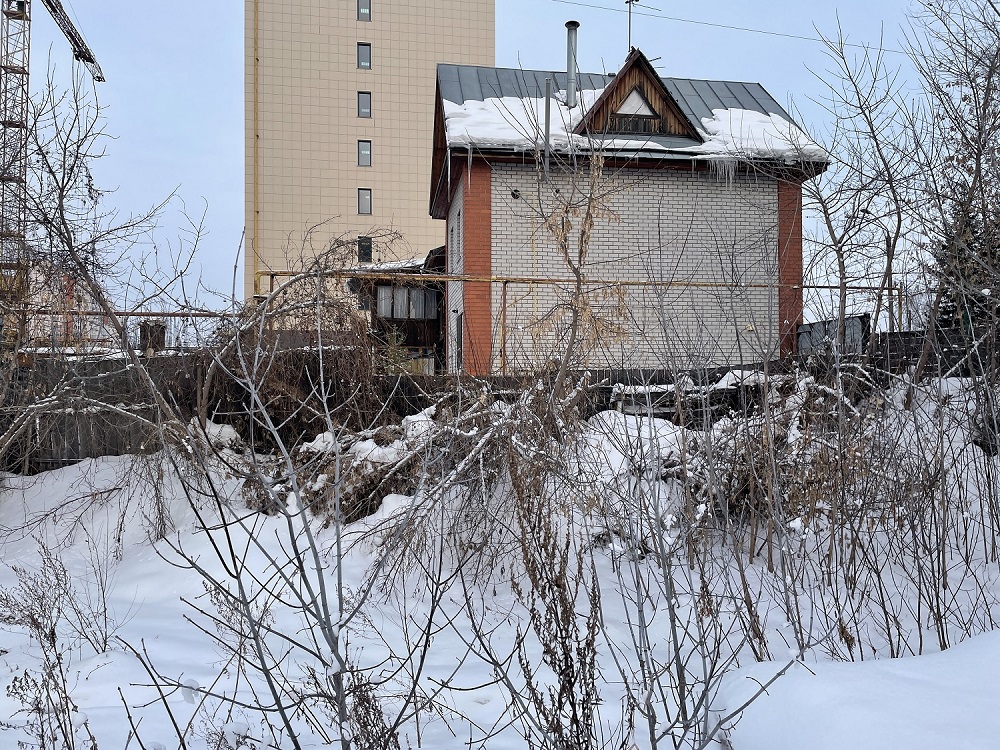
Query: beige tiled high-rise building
x=339 y=118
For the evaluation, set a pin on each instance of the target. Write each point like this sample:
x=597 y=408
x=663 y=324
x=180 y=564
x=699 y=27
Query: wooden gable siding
x=671 y=122
x=439 y=157
x=637 y=73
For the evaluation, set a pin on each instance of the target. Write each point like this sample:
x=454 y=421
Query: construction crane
x=15 y=45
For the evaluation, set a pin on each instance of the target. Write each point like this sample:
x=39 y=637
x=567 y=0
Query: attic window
x=636 y=115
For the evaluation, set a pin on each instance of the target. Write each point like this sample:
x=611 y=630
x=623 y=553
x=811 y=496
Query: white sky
x=174 y=90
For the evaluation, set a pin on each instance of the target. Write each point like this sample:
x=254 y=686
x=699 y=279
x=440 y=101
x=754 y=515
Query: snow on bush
x=518 y=575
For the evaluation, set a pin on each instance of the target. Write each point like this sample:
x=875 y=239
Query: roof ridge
x=591 y=73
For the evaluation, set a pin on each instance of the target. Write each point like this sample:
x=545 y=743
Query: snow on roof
x=504 y=109
x=395 y=265
x=745 y=133
x=407 y=264
x=515 y=122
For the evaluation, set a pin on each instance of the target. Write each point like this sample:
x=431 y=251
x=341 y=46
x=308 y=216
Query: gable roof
x=503 y=109
x=637 y=81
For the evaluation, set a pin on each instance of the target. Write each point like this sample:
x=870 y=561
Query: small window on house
x=430 y=304
x=635 y=124
x=416 y=310
x=364 y=55
x=364 y=104
x=383 y=301
x=364 y=153
x=402 y=303
x=365 y=201
x=364 y=10
x=364 y=249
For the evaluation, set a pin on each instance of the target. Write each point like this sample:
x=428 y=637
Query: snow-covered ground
x=927 y=702
x=674 y=620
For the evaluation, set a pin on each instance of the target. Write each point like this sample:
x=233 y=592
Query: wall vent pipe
x=571 y=27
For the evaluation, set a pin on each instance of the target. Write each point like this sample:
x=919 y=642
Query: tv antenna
x=630 y=3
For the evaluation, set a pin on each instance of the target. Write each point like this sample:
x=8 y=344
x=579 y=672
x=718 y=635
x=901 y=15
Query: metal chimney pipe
x=571 y=27
x=548 y=125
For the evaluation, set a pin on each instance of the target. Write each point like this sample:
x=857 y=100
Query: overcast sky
x=174 y=90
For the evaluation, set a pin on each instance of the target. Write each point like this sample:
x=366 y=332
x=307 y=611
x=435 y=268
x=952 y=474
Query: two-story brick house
x=660 y=217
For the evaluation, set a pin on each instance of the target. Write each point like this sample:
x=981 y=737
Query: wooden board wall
x=671 y=122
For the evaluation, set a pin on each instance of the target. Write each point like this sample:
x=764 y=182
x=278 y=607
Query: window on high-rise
x=364 y=249
x=364 y=10
x=365 y=201
x=364 y=55
x=364 y=104
x=364 y=153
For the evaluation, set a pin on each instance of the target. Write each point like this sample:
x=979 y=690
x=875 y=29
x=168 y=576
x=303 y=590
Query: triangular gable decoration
x=637 y=103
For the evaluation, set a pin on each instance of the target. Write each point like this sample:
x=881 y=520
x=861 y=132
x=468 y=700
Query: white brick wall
x=456 y=265
x=701 y=247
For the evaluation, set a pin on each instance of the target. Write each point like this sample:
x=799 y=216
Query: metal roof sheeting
x=696 y=98
x=462 y=83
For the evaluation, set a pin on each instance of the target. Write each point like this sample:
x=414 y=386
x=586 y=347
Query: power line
x=725 y=26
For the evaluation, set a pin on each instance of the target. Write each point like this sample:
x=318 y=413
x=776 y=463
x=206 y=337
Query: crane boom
x=81 y=51
x=15 y=43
